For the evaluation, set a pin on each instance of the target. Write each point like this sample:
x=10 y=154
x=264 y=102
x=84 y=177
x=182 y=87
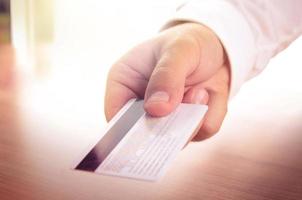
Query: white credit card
x=136 y=145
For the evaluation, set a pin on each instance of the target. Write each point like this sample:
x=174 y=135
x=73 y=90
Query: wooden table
x=46 y=122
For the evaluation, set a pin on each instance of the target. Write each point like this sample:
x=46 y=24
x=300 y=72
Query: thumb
x=165 y=88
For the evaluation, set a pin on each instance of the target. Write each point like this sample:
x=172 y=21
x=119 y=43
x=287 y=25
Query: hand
x=185 y=63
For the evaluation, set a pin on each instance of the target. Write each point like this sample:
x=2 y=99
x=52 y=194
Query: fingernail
x=200 y=97
x=159 y=97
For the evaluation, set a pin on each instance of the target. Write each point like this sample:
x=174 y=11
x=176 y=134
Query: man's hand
x=185 y=63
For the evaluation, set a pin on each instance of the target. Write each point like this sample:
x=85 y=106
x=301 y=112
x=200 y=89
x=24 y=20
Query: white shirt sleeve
x=251 y=32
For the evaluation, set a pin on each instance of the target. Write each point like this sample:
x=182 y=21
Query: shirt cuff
x=231 y=28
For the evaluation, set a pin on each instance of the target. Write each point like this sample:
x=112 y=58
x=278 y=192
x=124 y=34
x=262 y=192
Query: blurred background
x=67 y=46
x=92 y=31
x=5 y=21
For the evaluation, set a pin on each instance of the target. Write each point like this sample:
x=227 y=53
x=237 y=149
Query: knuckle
x=162 y=71
x=163 y=77
x=181 y=44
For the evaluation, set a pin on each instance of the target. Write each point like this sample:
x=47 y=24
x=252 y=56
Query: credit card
x=139 y=146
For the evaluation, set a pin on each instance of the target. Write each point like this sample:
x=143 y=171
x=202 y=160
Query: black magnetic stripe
x=113 y=136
